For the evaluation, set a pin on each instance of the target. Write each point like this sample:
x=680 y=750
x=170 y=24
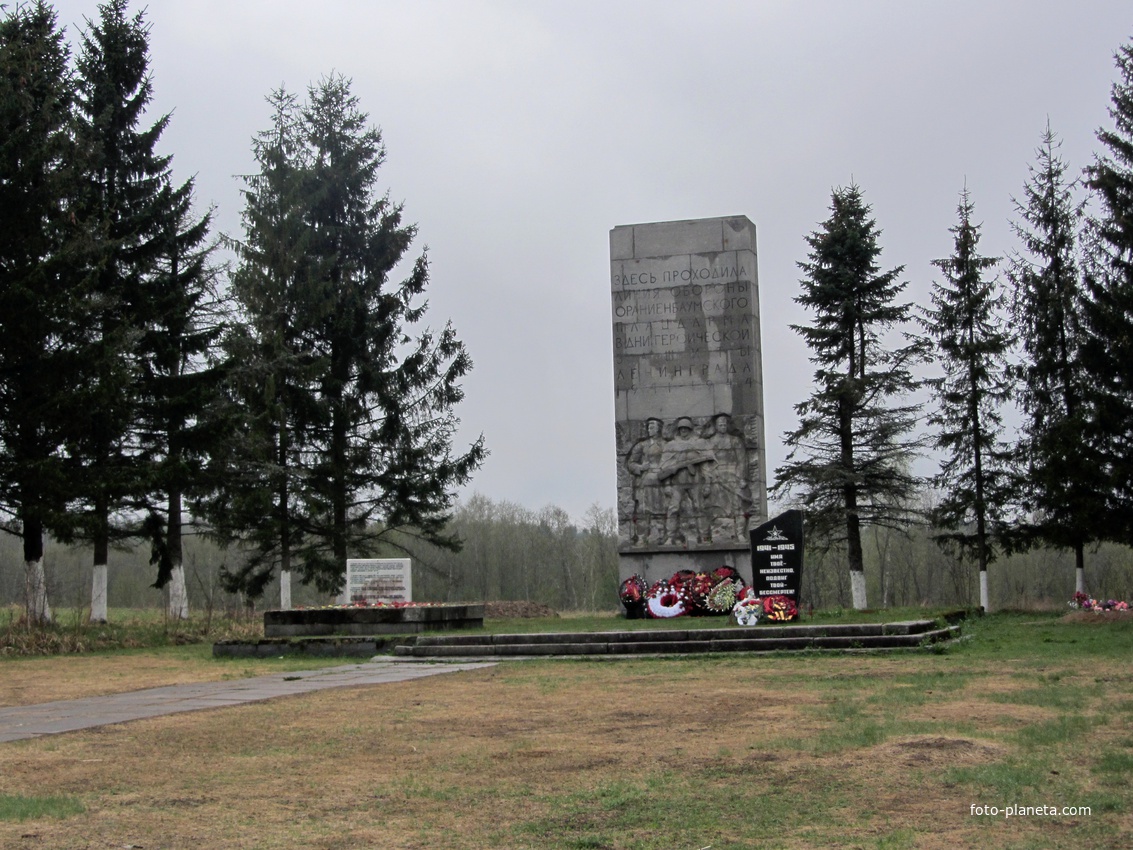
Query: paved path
x=50 y=718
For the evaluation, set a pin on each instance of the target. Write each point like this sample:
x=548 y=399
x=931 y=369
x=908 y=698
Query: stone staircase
x=862 y=636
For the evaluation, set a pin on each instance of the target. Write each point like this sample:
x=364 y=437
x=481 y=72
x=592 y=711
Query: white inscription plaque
x=372 y=580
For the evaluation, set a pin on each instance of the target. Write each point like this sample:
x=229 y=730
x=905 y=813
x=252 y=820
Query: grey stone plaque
x=373 y=580
x=688 y=383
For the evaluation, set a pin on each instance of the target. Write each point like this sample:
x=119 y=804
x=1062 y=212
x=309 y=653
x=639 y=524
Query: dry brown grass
x=564 y=754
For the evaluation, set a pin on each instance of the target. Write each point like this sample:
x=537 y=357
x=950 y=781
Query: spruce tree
x=124 y=208
x=1109 y=310
x=270 y=367
x=178 y=385
x=368 y=393
x=966 y=322
x=37 y=242
x=1063 y=480
x=385 y=460
x=850 y=457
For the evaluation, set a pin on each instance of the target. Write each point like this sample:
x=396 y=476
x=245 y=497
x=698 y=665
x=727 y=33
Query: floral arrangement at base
x=723 y=597
x=780 y=609
x=719 y=592
x=666 y=599
x=696 y=589
x=748 y=610
x=632 y=594
x=692 y=593
x=1082 y=602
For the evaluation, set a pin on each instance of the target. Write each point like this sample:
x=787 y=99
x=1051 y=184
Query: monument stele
x=688 y=384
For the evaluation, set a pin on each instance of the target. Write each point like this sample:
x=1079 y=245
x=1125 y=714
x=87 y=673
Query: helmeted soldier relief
x=729 y=485
x=644 y=463
x=682 y=472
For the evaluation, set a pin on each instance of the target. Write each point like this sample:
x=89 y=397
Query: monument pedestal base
x=656 y=565
x=313 y=622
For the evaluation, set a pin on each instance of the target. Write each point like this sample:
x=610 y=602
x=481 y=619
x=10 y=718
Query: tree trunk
x=285 y=590
x=1079 y=568
x=984 y=603
x=38 y=611
x=98 y=608
x=856 y=555
x=857 y=589
x=178 y=593
x=284 y=525
x=35 y=580
x=850 y=501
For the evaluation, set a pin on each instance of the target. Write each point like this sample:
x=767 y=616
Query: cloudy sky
x=520 y=132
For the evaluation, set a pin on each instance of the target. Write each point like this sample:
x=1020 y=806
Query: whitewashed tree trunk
x=98 y=612
x=35 y=585
x=285 y=590
x=178 y=600
x=857 y=589
x=178 y=594
x=984 y=604
x=1079 y=580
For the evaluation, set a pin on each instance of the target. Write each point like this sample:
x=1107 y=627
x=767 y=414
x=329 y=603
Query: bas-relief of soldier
x=685 y=485
x=730 y=484
x=693 y=488
x=644 y=464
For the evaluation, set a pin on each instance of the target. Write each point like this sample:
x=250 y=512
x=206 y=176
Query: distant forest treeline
x=514 y=553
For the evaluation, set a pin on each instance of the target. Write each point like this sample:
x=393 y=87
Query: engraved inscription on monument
x=777 y=556
x=370 y=581
x=688 y=393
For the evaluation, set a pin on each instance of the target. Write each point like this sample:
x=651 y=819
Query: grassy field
x=782 y=751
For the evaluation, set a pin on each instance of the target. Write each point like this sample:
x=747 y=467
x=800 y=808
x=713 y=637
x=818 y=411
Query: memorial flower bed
x=719 y=592
x=1082 y=602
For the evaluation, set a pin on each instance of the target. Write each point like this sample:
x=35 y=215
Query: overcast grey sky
x=519 y=133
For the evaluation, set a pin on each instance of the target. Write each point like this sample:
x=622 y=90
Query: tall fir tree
x=850 y=457
x=270 y=367
x=966 y=321
x=1064 y=482
x=1109 y=310
x=37 y=243
x=385 y=461
x=125 y=207
x=370 y=415
x=178 y=386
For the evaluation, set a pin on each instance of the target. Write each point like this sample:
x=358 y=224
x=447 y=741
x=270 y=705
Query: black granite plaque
x=777 y=556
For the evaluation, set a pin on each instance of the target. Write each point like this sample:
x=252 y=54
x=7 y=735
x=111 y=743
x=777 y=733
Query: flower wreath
x=632 y=591
x=723 y=597
x=780 y=609
x=666 y=599
x=684 y=592
x=697 y=588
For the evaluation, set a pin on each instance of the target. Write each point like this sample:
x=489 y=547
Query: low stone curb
x=887 y=636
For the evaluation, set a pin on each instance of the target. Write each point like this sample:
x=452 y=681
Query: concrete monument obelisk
x=688 y=383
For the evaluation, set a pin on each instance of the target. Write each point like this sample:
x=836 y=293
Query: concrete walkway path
x=50 y=718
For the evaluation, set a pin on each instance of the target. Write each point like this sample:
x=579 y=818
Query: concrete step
x=851 y=630
x=678 y=642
